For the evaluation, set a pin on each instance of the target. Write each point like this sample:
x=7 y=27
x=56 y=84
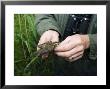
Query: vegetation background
x=25 y=43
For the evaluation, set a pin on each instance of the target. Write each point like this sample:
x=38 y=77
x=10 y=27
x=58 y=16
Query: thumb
x=41 y=41
x=55 y=39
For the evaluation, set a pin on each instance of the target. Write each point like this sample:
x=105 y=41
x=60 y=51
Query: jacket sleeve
x=93 y=46
x=46 y=22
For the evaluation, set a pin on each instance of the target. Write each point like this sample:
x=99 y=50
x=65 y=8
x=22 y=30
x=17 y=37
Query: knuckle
x=65 y=47
x=81 y=48
x=69 y=37
x=67 y=54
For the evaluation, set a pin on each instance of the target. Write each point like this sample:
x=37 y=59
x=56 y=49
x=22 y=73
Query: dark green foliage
x=25 y=43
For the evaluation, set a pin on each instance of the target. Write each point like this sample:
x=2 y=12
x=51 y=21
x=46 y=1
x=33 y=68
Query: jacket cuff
x=41 y=30
x=93 y=46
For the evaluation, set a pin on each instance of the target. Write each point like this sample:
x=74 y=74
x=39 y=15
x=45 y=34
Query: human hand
x=73 y=47
x=49 y=35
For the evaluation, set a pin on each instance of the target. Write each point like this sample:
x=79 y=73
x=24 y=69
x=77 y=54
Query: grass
x=25 y=43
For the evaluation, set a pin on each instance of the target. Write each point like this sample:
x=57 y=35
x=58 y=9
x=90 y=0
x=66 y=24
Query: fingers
x=67 y=54
x=48 y=36
x=76 y=58
x=71 y=48
x=69 y=43
x=64 y=45
x=66 y=41
x=76 y=55
x=41 y=41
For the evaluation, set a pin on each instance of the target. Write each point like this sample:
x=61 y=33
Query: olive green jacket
x=58 y=22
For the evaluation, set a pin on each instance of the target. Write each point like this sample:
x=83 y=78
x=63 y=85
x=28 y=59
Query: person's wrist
x=85 y=41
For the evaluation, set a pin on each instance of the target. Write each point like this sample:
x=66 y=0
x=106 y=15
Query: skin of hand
x=72 y=48
x=49 y=35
